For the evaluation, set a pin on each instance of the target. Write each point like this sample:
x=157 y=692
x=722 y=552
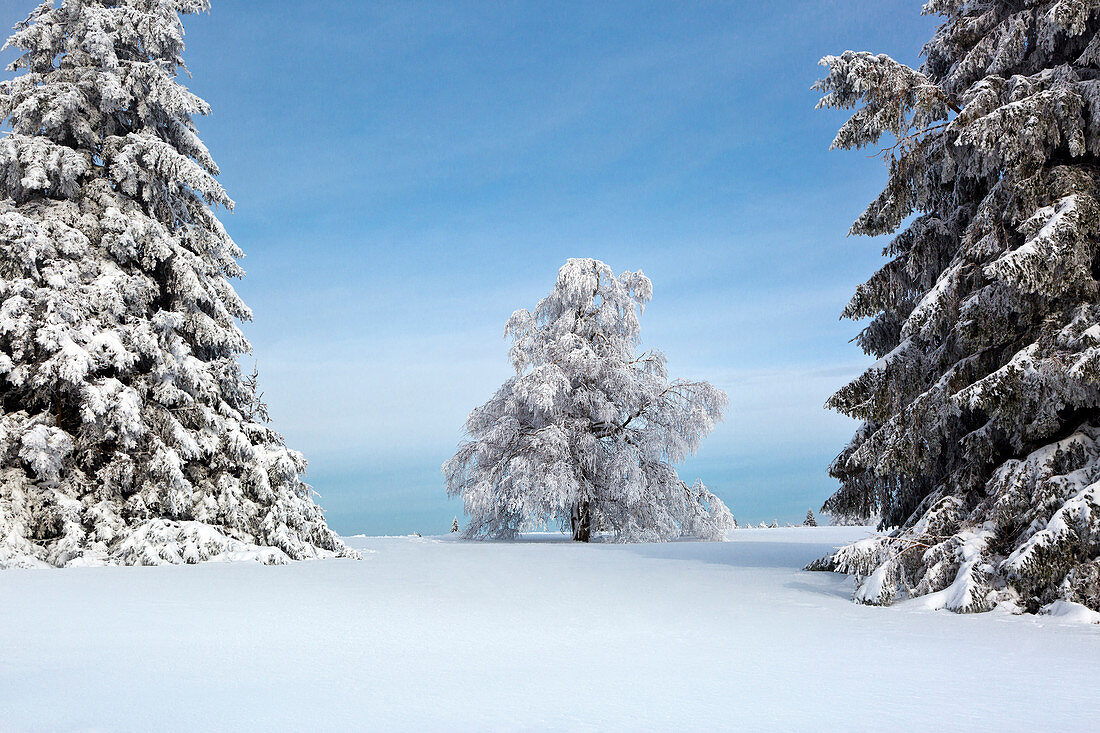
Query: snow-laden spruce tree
x=587 y=431
x=980 y=441
x=810 y=520
x=127 y=432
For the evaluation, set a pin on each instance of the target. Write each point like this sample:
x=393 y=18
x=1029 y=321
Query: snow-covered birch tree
x=980 y=439
x=127 y=431
x=588 y=430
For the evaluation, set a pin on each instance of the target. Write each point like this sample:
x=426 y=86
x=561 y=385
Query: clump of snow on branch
x=588 y=430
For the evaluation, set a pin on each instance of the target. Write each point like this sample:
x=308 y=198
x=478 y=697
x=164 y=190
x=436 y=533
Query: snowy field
x=541 y=634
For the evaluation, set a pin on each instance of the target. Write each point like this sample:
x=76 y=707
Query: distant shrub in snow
x=980 y=443
x=127 y=431
x=587 y=431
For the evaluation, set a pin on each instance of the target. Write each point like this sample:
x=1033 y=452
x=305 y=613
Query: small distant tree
x=588 y=430
x=253 y=406
x=810 y=521
x=774 y=524
x=454 y=525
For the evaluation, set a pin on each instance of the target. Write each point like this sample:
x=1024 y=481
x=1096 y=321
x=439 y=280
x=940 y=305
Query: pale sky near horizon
x=409 y=173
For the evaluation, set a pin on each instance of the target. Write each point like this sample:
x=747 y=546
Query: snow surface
x=436 y=633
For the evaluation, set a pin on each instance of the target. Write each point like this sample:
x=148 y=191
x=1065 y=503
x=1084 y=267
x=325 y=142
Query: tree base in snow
x=159 y=542
x=1029 y=544
x=42 y=526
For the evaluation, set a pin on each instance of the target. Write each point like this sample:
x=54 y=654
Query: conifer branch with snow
x=587 y=432
x=127 y=431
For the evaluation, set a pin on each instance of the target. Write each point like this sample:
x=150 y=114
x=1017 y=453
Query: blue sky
x=408 y=174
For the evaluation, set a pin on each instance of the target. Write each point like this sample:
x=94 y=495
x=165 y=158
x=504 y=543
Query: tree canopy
x=588 y=430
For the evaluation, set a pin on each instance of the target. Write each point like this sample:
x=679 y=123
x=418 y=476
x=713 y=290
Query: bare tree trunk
x=580 y=519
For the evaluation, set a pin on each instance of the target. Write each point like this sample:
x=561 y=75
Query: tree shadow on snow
x=838 y=587
x=741 y=554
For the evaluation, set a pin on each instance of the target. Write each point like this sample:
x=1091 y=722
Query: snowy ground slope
x=432 y=633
